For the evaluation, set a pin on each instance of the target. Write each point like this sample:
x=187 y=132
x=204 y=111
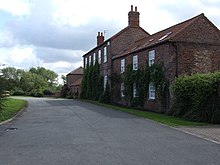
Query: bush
x=48 y=92
x=18 y=92
x=38 y=94
x=197 y=97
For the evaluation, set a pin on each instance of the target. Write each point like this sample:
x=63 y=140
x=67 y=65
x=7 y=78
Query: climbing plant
x=154 y=73
x=91 y=83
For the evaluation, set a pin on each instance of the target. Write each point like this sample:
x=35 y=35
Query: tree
x=64 y=79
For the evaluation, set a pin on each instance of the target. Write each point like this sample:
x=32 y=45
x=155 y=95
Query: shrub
x=197 y=97
x=18 y=92
x=48 y=92
x=38 y=94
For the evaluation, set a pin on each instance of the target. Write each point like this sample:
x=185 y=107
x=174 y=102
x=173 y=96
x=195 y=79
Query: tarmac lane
x=71 y=132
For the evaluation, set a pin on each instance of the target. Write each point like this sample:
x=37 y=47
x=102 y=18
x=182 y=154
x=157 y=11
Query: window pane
x=122 y=65
x=122 y=89
x=99 y=54
x=105 y=54
x=151 y=91
x=135 y=62
x=94 y=58
x=151 y=57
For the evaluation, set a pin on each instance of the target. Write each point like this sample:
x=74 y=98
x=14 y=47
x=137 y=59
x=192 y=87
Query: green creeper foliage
x=197 y=97
x=91 y=83
x=142 y=78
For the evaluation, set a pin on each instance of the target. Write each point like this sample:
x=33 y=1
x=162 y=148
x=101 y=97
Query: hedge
x=197 y=97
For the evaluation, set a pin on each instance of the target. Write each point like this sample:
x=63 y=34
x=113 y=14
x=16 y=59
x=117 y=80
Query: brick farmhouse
x=192 y=46
x=74 y=79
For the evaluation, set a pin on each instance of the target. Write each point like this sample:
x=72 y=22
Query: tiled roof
x=77 y=82
x=76 y=71
x=165 y=35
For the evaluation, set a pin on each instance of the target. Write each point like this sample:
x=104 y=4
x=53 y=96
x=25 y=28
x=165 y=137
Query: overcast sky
x=56 y=33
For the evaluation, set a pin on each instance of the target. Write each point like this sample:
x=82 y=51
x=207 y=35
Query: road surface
x=70 y=132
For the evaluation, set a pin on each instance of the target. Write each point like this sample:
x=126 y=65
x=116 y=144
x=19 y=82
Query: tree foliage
x=33 y=82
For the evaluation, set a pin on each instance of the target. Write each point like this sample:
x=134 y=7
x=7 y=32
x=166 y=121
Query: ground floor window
x=134 y=90
x=151 y=91
x=122 y=89
x=105 y=82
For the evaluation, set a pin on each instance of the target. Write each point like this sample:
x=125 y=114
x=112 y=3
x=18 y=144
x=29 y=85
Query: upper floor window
x=122 y=65
x=90 y=60
x=94 y=58
x=151 y=57
x=105 y=82
x=99 y=56
x=135 y=62
x=85 y=62
x=151 y=91
x=122 y=89
x=105 y=54
x=134 y=90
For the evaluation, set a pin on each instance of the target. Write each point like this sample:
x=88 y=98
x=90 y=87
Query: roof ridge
x=191 y=20
x=75 y=70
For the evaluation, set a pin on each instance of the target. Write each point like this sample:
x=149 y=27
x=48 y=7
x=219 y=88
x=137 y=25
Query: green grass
x=161 y=118
x=11 y=107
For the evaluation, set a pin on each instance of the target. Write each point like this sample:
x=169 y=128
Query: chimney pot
x=133 y=17
x=100 y=38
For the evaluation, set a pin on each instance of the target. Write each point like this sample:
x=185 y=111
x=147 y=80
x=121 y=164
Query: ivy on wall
x=154 y=73
x=92 y=83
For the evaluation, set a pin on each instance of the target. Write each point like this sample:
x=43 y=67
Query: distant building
x=74 y=79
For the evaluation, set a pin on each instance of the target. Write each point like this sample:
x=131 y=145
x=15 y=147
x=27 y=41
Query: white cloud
x=57 y=33
x=16 y=7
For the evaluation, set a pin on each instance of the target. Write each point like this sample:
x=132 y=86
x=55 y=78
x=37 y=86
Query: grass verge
x=161 y=118
x=11 y=107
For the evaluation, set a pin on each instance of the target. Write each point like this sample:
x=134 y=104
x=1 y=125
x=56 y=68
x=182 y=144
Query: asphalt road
x=68 y=132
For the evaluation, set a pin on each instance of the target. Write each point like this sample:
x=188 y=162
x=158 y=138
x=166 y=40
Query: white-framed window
x=105 y=82
x=151 y=57
x=135 y=62
x=105 y=54
x=151 y=91
x=94 y=58
x=85 y=62
x=122 y=65
x=134 y=90
x=90 y=60
x=122 y=89
x=99 y=56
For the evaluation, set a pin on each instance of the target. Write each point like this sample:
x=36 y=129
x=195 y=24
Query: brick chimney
x=133 y=17
x=100 y=38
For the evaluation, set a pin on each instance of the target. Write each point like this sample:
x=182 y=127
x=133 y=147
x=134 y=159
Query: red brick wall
x=192 y=58
x=73 y=77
